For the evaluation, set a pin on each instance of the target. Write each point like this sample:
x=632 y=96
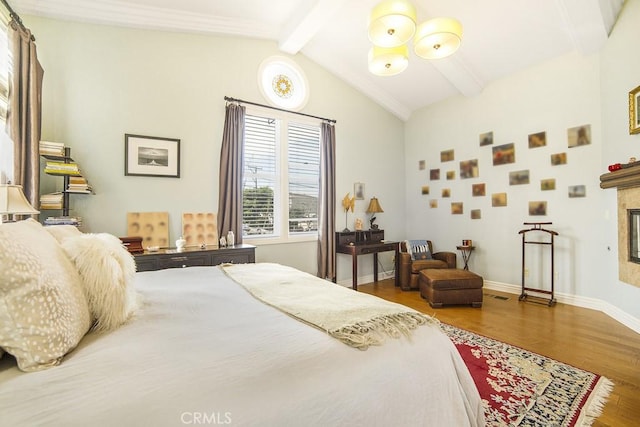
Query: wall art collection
x=505 y=154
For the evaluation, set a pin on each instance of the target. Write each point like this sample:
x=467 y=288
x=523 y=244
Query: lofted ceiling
x=500 y=36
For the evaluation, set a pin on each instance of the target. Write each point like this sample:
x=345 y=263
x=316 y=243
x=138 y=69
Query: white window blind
x=281 y=177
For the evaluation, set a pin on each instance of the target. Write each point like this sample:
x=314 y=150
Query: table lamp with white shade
x=13 y=202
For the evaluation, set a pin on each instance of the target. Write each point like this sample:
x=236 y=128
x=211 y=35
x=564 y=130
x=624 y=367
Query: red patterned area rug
x=521 y=388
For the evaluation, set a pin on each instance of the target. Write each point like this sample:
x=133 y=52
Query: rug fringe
x=595 y=403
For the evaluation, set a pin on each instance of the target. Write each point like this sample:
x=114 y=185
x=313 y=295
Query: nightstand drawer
x=146 y=263
x=181 y=261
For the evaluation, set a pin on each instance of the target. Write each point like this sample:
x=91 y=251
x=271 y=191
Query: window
x=281 y=178
x=6 y=146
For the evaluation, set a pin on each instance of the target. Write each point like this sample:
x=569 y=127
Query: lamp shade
x=13 y=201
x=374 y=206
x=388 y=61
x=392 y=23
x=437 y=38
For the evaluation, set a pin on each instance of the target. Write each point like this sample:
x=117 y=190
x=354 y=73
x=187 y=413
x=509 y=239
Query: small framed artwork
x=422 y=165
x=486 y=138
x=577 y=191
x=548 y=184
x=451 y=175
x=433 y=203
x=499 y=199
x=537 y=140
x=558 y=159
x=478 y=190
x=447 y=156
x=425 y=189
x=634 y=111
x=476 y=214
x=151 y=156
x=456 y=208
x=434 y=174
x=579 y=135
x=519 y=177
x=446 y=192
x=469 y=169
x=358 y=190
x=537 y=208
x=504 y=154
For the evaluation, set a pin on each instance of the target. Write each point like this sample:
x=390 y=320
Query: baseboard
x=610 y=310
x=368 y=279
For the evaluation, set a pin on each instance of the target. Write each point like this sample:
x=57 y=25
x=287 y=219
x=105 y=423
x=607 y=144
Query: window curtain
x=327 y=203
x=231 y=163
x=24 y=117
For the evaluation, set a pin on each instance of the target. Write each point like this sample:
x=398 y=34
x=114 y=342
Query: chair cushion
x=417 y=266
x=418 y=249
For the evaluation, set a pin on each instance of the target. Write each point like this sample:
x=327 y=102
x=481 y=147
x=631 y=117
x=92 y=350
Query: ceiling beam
x=460 y=74
x=306 y=23
x=589 y=22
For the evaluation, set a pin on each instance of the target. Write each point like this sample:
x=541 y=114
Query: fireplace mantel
x=627 y=177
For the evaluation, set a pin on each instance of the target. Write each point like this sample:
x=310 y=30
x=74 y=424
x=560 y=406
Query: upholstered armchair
x=409 y=268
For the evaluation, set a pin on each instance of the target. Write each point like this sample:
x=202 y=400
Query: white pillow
x=43 y=310
x=107 y=271
x=61 y=232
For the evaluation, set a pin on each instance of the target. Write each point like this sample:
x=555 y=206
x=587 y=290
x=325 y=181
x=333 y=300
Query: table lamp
x=13 y=202
x=373 y=209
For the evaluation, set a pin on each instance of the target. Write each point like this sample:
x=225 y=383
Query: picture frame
x=634 y=111
x=151 y=156
x=358 y=190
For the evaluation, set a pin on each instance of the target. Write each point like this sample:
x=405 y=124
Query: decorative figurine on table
x=348 y=203
x=358 y=224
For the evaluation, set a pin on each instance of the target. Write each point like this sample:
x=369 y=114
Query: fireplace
x=629 y=235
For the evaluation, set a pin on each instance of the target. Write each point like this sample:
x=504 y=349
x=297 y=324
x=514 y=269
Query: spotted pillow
x=43 y=311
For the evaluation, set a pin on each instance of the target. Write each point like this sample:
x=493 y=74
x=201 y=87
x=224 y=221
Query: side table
x=466 y=254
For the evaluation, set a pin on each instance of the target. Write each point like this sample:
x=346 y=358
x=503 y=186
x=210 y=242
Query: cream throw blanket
x=355 y=318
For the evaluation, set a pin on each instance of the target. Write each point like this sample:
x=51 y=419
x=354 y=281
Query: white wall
x=569 y=91
x=101 y=82
x=620 y=65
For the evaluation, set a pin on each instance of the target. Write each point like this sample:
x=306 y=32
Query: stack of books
x=51 y=201
x=63 y=220
x=79 y=184
x=61 y=168
x=49 y=148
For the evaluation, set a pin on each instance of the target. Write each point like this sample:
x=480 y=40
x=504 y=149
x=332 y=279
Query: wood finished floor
x=581 y=337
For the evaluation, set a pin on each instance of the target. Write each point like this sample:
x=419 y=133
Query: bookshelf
x=58 y=162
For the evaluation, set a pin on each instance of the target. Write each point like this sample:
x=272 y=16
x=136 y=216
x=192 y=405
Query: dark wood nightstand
x=191 y=257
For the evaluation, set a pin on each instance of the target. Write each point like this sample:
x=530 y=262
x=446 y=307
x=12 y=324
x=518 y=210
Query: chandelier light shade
x=388 y=61
x=437 y=38
x=14 y=202
x=392 y=23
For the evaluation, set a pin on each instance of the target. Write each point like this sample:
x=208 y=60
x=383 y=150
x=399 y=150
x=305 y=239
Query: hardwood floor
x=584 y=338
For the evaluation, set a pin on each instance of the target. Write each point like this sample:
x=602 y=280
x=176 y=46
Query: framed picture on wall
x=634 y=111
x=151 y=156
x=358 y=190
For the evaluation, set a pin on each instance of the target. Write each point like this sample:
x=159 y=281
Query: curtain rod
x=13 y=15
x=228 y=98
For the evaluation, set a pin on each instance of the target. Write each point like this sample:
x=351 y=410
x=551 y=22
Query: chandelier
x=392 y=23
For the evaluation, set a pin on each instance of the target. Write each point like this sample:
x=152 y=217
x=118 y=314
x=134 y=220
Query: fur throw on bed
x=107 y=271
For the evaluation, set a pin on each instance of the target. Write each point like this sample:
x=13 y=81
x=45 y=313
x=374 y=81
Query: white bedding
x=202 y=350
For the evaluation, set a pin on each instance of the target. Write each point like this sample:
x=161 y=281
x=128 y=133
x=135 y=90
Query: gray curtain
x=231 y=162
x=327 y=204
x=24 y=116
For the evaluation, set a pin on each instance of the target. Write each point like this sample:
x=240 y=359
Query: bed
x=201 y=348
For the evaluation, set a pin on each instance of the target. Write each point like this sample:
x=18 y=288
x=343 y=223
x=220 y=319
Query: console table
x=345 y=245
x=190 y=257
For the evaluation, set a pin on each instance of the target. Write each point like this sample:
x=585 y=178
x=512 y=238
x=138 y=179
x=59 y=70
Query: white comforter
x=202 y=350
